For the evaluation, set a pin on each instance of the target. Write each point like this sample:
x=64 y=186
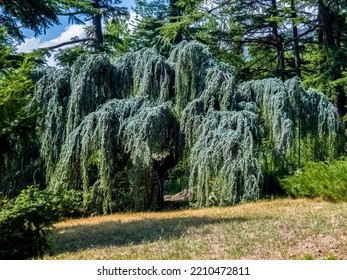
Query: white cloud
x=29 y=45
x=132 y=22
x=71 y=31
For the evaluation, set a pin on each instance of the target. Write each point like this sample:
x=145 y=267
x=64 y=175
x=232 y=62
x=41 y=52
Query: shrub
x=177 y=179
x=319 y=179
x=25 y=220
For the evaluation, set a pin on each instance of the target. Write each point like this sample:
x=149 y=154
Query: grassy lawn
x=277 y=229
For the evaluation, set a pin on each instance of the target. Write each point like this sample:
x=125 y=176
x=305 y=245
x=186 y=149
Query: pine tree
x=323 y=56
x=35 y=15
x=150 y=16
x=114 y=38
x=164 y=23
x=97 y=11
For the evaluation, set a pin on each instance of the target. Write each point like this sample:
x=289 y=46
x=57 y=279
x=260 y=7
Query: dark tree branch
x=68 y=43
x=264 y=41
x=308 y=31
x=73 y=13
x=219 y=6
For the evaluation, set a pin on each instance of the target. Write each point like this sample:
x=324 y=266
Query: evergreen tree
x=96 y=10
x=108 y=11
x=114 y=130
x=17 y=124
x=165 y=23
x=263 y=33
x=35 y=15
x=150 y=15
x=327 y=51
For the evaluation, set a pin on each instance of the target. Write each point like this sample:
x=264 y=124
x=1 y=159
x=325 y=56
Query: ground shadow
x=117 y=233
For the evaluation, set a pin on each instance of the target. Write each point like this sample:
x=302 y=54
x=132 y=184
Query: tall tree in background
x=324 y=55
x=184 y=20
x=295 y=34
x=97 y=11
x=149 y=17
x=249 y=35
x=265 y=34
x=112 y=39
x=164 y=23
x=333 y=39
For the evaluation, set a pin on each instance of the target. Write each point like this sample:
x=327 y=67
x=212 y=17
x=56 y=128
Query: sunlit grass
x=278 y=229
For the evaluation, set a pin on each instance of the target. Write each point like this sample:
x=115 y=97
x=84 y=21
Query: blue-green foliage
x=114 y=130
x=239 y=137
x=108 y=129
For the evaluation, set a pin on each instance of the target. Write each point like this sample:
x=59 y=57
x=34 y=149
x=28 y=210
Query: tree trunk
x=175 y=11
x=340 y=101
x=97 y=19
x=296 y=47
x=279 y=44
x=329 y=42
x=325 y=21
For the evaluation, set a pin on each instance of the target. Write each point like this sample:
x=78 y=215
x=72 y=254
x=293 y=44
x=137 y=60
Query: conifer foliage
x=114 y=130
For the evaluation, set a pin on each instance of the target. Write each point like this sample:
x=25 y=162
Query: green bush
x=25 y=220
x=177 y=179
x=319 y=179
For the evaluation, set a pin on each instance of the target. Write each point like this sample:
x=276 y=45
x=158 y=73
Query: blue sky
x=58 y=34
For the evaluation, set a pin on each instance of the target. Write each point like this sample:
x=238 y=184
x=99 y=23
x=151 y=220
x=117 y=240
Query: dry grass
x=278 y=229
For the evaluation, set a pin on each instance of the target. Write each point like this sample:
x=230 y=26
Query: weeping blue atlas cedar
x=114 y=130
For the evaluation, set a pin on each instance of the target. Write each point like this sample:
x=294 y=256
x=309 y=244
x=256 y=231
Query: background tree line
x=260 y=38
x=257 y=38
